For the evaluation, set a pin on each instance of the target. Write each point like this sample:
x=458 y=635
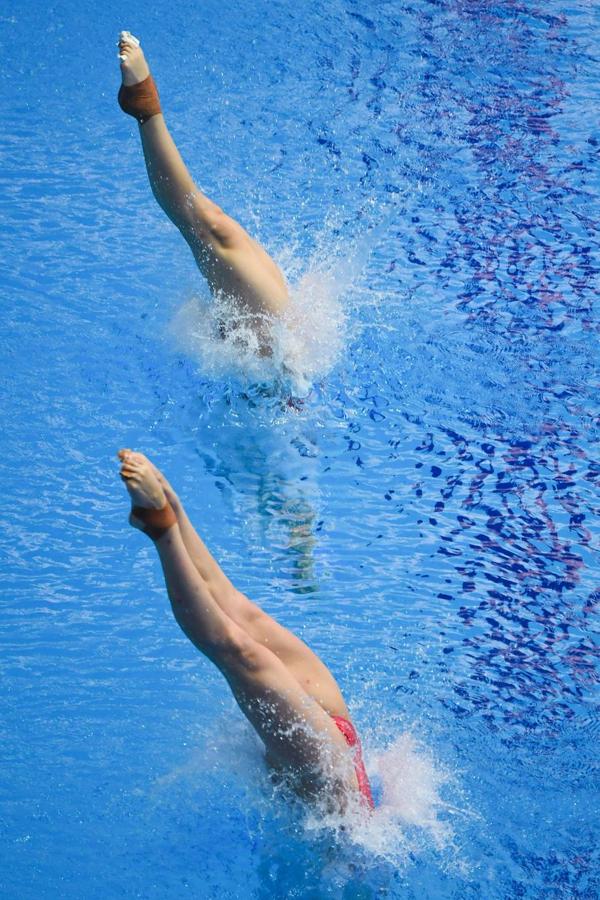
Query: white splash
x=411 y=816
x=413 y=819
x=307 y=340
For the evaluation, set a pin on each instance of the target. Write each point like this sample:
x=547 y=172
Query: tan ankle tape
x=156 y=521
x=140 y=100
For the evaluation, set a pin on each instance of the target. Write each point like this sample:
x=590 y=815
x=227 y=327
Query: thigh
x=296 y=731
x=307 y=668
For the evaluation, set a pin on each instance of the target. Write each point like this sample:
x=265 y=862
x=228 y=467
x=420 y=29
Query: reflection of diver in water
x=233 y=263
x=285 y=691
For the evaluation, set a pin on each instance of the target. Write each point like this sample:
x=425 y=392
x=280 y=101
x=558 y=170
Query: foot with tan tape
x=151 y=512
x=138 y=96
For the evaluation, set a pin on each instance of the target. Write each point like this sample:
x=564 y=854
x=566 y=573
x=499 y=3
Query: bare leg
x=232 y=262
x=306 y=667
x=296 y=731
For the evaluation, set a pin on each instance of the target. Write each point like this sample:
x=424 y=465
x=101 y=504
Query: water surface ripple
x=424 y=515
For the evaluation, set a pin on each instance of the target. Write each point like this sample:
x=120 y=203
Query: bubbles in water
x=412 y=816
x=411 y=791
x=306 y=340
x=223 y=788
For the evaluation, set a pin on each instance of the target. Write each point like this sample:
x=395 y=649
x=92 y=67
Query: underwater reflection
x=269 y=478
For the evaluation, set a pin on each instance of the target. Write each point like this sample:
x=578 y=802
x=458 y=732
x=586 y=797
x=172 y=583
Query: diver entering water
x=233 y=263
x=285 y=691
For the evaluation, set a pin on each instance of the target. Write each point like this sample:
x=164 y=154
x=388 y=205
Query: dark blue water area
x=424 y=514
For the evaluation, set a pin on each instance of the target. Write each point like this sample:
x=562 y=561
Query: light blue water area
x=425 y=517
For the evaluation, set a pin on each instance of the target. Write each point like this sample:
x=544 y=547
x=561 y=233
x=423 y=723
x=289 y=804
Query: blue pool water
x=424 y=515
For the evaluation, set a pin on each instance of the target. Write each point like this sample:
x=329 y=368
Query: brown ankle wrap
x=156 y=521
x=140 y=100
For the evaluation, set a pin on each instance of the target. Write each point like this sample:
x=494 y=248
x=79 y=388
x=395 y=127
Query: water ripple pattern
x=419 y=502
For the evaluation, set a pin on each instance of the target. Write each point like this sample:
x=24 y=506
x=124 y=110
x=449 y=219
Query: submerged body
x=233 y=263
x=285 y=691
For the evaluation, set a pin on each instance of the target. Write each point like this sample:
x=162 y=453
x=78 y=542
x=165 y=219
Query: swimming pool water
x=425 y=514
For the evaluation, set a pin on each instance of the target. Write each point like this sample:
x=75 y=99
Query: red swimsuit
x=349 y=732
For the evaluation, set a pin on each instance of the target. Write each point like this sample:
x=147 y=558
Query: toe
x=129 y=457
x=127 y=38
x=130 y=470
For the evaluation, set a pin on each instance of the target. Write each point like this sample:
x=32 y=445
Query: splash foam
x=306 y=340
x=411 y=815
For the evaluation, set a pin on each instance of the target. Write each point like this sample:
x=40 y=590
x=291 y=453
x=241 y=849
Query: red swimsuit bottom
x=352 y=739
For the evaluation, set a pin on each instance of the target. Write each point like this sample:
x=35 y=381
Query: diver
x=233 y=263
x=285 y=691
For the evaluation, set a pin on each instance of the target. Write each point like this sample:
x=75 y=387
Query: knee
x=223 y=230
x=209 y=223
x=249 y=615
x=238 y=650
